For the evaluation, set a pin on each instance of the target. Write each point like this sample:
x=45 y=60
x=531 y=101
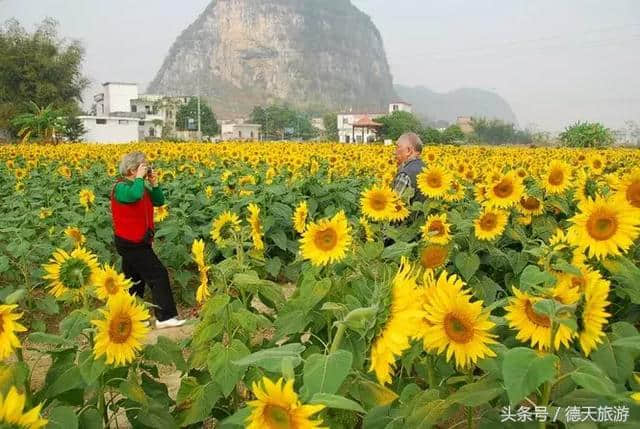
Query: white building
x=123 y=115
x=239 y=131
x=361 y=127
x=400 y=106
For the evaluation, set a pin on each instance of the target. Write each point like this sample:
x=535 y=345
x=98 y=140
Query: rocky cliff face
x=311 y=53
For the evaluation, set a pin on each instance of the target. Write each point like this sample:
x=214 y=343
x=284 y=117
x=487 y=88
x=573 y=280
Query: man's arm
x=401 y=183
x=129 y=192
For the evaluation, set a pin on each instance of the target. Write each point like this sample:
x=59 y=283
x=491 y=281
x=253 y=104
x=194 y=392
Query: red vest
x=132 y=220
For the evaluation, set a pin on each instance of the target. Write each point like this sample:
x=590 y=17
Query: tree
x=398 y=123
x=452 y=133
x=42 y=123
x=587 y=134
x=495 y=131
x=38 y=67
x=73 y=129
x=283 y=122
x=188 y=113
x=330 y=121
x=431 y=135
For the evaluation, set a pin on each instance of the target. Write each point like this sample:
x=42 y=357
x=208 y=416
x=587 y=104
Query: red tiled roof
x=367 y=122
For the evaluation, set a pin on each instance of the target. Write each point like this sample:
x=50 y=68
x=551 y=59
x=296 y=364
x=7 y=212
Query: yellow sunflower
x=434 y=181
x=224 y=226
x=455 y=192
x=300 y=217
x=197 y=252
x=256 y=227
x=69 y=274
x=45 y=213
x=506 y=191
x=277 y=407
x=400 y=211
x=13 y=415
x=596 y=163
x=75 y=235
x=402 y=324
x=378 y=203
x=434 y=256
x=557 y=178
x=628 y=189
x=490 y=224
x=160 y=213
x=532 y=326
x=327 y=240
x=453 y=324
x=110 y=282
x=436 y=229
x=208 y=191
x=120 y=333
x=86 y=198
x=593 y=317
x=8 y=328
x=603 y=228
x=203 y=293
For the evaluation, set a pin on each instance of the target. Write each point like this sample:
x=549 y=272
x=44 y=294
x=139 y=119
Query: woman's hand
x=142 y=171
x=153 y=178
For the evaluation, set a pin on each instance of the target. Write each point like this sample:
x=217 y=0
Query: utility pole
x=199 y=129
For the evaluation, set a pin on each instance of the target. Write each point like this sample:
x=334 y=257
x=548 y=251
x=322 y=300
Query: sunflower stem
x=546 y=394
x=430 y=374
x=337 y=340
x=27 y=384
x=470 y=409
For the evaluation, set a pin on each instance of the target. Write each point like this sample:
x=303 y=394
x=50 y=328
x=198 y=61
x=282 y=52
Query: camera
x=149 y=171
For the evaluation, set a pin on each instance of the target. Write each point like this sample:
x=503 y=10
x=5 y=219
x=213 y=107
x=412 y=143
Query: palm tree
x=43 y=123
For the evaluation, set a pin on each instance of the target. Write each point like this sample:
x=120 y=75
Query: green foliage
x=330 y=122
x=38 y=68
x=495 y=131
x=41 y=123
x=208 y=123
x=283 y=122
x=398 y=123
x=587 y=134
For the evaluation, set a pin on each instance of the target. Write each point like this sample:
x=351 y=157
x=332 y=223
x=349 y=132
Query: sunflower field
x=318 y=297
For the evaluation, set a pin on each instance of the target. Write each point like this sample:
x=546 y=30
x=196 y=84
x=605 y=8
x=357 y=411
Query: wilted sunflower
x=197 y=252
x=378 y=203
x=75 y=235
x=110 y=282
x=532 y=326
x=71 y=273
x=628 y=189
x=86 y=198
x=506 y=191
x=402 y=323
x=223 y=227
x=490 y=224
x=277 y=407
x=203 y=293
x=121 y=332
x=603 y=228
x=160 y=213
x=45 y=213
x=13 y=414
x=557 y=178
x=434 y=181
x=366 y=228
x=327 y=240
x=436 y=229
x=256 y=227
x=453 y=324
x=300 y=217
x=530 y=206
x=8 y=328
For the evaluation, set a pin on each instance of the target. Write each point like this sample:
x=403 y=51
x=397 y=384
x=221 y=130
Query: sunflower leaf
x=467 y=264
x=523 y=370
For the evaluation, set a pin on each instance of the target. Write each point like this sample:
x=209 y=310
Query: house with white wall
x=121 y=114
x=238 y=130
x=352 y=127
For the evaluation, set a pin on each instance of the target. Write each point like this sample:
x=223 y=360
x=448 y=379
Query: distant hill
x=242 y=53
x=433 y=106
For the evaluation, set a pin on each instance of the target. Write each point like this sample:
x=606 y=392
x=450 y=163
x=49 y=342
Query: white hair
x=131 y=161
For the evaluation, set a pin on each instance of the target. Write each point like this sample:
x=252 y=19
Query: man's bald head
x=409 y=145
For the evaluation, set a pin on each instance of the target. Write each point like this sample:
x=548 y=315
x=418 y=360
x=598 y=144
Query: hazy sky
x=554 y=61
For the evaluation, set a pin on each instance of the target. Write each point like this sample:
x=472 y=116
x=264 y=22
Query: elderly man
x=409 y=147
x=132 y=200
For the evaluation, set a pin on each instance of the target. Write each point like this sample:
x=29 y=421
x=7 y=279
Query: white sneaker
x=169 y=323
